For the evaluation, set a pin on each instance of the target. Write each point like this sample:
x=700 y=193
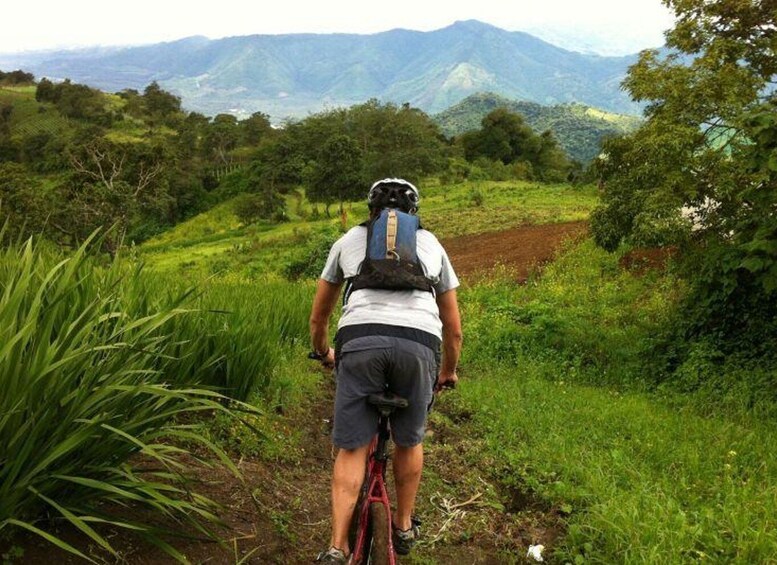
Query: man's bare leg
x=347 y=479
x=408 y=463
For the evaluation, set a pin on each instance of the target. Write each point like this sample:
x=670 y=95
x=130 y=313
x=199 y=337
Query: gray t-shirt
x=407 y=308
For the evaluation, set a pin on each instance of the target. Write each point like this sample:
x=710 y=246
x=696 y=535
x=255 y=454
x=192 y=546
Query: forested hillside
x=73 y=158
x=579 y=129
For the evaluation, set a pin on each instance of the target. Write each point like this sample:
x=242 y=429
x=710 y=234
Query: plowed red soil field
x=521 y=249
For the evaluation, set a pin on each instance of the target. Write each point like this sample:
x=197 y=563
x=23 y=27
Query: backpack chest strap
x=391 y=235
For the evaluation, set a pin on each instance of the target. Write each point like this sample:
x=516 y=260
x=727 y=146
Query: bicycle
x=373 y=539
x=371 y=526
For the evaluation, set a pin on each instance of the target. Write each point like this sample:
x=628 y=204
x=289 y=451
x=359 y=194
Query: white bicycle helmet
x=393 y=193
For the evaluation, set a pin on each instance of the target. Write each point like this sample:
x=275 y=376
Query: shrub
x=265 y=205
x=310 y=260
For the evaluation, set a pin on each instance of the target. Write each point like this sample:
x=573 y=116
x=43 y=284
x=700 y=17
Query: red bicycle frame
x=374 y=490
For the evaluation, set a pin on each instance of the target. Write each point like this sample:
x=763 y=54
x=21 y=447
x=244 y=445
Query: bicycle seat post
x=385 y=403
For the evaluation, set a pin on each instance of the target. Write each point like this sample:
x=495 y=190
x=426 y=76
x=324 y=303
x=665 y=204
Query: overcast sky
x=617 y=25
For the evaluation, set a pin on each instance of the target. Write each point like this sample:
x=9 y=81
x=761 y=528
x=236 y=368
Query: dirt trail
x=280 y=513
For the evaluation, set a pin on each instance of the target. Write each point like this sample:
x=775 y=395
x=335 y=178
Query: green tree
x=505 y=137
x=15 y=78
x=263 y=205
x=133 y=102
x=114 y=185
x=394 y=141
x=336 y=176
x=80 y=102
x=221 y=137
x=161 y=107
x=191 y=133
x=255 y=128
x=43 y=152
x=5 y=120
x=708 y=146
x=45 y=91
x=24 y=208
x=551 y=163
x=278 y=165
x=9 y=150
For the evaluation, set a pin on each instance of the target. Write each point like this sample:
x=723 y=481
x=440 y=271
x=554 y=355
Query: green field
x=554 y=372
x=617 y=392
x=217 y=241
x=30 y=117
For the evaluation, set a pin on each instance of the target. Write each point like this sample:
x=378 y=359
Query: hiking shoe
x=332 y=555
x=404 y=540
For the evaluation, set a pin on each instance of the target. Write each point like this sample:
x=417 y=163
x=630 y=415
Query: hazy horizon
x=608 y=27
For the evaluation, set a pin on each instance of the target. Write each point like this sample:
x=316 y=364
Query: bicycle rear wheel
x=379 y=548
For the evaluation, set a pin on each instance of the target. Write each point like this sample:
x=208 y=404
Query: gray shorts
x=365 y=365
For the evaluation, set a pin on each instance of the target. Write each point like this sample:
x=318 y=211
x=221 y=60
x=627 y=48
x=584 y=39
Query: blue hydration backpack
x=391 y=261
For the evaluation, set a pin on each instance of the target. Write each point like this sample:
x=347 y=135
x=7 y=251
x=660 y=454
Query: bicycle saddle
x=387 y=400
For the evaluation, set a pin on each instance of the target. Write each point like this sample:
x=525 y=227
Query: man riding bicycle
x=388 y=335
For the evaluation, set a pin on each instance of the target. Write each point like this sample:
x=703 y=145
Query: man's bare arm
x=451 y=337
x=324 y=303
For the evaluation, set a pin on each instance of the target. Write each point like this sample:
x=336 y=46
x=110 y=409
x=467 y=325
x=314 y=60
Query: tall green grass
x=584 y=312
x=241 y=333
x=99 y=364
x=637 y=480
x=84 y=370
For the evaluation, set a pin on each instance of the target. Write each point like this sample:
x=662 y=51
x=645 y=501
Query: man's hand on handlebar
x=446 y=381
x=326 y=359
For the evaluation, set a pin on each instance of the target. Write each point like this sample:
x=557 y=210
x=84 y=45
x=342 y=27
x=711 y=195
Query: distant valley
x=291 y=76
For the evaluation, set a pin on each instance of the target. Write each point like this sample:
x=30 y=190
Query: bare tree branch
x=145 y=176
x=105 y=166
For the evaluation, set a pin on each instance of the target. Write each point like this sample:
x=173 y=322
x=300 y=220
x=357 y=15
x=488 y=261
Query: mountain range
x=290 y=76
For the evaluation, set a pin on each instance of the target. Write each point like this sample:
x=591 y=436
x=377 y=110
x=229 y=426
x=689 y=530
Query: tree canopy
x=505 y=137
x=394 y=141
x=702 y=171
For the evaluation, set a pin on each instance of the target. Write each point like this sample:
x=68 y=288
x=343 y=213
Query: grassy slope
x=643 y=481
x=644 y=478
x=29 y=116
x=218 y=239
